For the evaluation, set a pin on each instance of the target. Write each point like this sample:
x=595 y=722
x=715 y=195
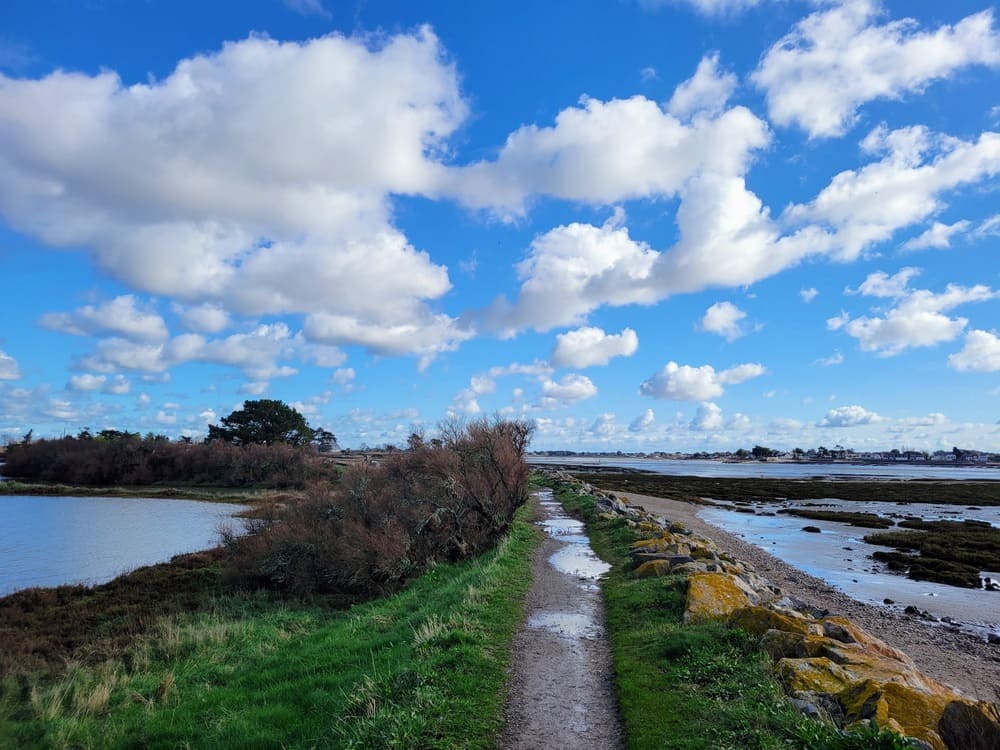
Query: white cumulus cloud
x=916 y=320
x=707 y=90
x=708 y=416
x=685 y=383
x=938 y=235
x=724 y=319
x=838 y=58
x=121 y=316
x=981 y=353
x=174 y=195
x=848 y=416
x=586 y=347
x=643 y=422
x=568 y=390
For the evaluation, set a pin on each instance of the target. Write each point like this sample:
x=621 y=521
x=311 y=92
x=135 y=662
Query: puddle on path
x=562 y=693
x=577 y=558
x=566 y=624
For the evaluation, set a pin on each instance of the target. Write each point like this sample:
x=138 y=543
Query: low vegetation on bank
x=694 y=686
x=424 y=668
x=767 y=490
x=249 y=644
x=950 y=552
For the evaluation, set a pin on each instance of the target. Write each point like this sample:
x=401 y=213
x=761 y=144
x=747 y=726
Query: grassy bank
x=693 y=687
x=424 y=668
x=169 y=492
x=747 y=490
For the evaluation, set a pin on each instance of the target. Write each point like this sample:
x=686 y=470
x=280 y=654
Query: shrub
x=381 y=524
x=132 y=460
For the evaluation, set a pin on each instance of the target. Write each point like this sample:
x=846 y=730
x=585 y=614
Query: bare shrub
x=443 y=500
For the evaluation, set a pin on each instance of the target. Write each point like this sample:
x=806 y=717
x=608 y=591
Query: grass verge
x=425 y=668
x=693 y=687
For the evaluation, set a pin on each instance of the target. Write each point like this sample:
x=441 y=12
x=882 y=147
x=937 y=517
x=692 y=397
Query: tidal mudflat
x=840 y=556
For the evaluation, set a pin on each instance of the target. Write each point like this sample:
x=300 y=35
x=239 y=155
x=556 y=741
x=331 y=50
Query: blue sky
x=644 y=224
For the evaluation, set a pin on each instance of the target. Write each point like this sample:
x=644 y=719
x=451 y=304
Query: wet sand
x=957 y=659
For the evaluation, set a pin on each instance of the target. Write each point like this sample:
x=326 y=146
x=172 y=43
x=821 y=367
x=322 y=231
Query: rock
x=812 y=529
x=969 y=726
x=714 y=596
x=653 y=569
x=759 y=620
x=888 y=601
x=993 y=638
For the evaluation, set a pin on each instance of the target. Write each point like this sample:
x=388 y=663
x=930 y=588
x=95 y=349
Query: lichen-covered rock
x=813 y=675
x=758 y=620
x=846 y=631
x=714 y=596
x=915 y=712
x=653 y=569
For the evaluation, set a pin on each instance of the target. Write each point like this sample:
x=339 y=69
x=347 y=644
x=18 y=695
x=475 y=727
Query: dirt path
x=958 y=659
x=562 y=688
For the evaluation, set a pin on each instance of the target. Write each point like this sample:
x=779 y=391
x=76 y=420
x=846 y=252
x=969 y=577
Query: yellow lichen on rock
x=758 y=620
x=653 y=569
x=714 y=596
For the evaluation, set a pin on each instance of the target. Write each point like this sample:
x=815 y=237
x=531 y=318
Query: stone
x=758 y=620
x=714 y=597
x=970 y=726
x=653 y=569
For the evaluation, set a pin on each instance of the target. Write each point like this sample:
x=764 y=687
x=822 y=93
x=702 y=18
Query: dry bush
x=381 y=524
x=132 y=460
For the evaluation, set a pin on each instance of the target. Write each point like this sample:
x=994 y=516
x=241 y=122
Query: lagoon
x=50 y=541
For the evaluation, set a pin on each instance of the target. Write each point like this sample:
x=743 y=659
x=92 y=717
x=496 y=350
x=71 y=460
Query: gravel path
x=958 y=659
x=562 y=687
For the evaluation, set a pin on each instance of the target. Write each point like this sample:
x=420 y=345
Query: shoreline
x=958 y=659
x=14 y=487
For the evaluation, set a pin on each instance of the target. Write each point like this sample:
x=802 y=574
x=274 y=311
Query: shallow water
x=769 y=470
x=577 y=558
x=50 y=541
x=839 y=556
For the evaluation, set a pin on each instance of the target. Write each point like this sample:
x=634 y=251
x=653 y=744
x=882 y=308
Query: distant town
x=821 y=454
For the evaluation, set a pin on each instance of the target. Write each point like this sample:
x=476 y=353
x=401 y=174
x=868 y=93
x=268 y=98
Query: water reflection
x=49 y=541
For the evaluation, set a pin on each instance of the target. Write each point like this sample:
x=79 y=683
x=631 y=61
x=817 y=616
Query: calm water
x=49 y=541
x=840 y=556
x=775 y=470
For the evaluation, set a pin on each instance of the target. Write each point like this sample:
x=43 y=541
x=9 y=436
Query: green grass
x=425 y=668
x=693 y=687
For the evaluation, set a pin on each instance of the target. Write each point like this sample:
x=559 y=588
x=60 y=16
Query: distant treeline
x=381 y=524
x=128 y=459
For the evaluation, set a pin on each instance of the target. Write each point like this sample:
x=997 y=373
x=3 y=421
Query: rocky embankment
x=830 y=667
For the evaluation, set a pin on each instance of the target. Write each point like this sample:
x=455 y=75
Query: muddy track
x=562 y=686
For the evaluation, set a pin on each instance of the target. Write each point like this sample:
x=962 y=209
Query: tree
x=266 y=421
x=325 y=441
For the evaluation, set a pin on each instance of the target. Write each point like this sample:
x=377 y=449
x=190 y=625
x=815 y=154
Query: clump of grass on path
x=693 y=687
